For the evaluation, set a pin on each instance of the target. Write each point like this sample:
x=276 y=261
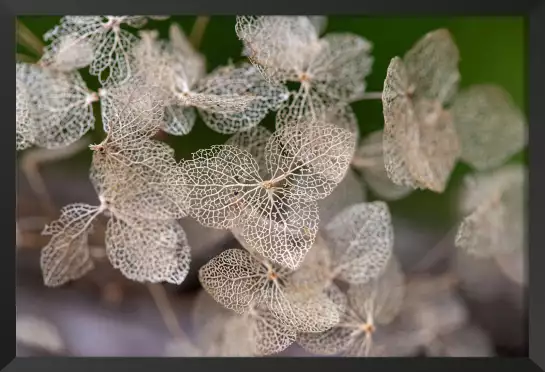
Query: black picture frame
x=534 y=13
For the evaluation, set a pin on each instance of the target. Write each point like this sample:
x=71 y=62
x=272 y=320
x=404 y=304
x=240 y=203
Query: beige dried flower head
x=369 y=307
x=494 y=208
x=369 y=161
x=330 y=69
x=59 y=105
x=243 y=281
x=421 y=145
x=361 y=240
x=98 y=41
x=277 y=214
x=229 y=99
x=143 y=250
x=222 y=332
x=490 y=126
x=66 y=257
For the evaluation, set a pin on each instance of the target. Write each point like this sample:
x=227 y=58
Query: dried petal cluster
x=494 y=207
x=331 y=70
x=54 y=108
x=99 y=42
x=133 y=177
x=229 y=99
x=421 y=145
x=316 y=265
x=272 y=197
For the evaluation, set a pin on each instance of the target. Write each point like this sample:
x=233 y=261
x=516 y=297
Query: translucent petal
x=282 y=230
x=432 y=65
x=278 y=46
x=268 y=333
x=223 y=181
x=379 y=300
x=234 y=279
x=240 y=281
x=110 y=44
x=400 y=136
x=68 y=53
x=349 y=192
x=254 y=141
x=315 y=155
x=330 y=342
x=361 y=239
x=420 y=142
x=495 y=207
x=141 y=181
x=66 y=257
x=190 y=60
x=239 y=98
x=369 y=160
x=60 y=105
x=340 y=67
x=135 y=109
x=490 y=126
x=305 y=312
x=148 y=250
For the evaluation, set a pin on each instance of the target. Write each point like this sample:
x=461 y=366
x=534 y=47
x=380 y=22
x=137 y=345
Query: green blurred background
x=492 y=50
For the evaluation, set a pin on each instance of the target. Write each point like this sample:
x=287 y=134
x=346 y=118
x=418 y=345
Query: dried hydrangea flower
x=490 y=126
x=96 y=40
x=135 y=107
x=143 y=250
x=66 y=257
x=369 y=160
x=421 y=145
x=361 y=240
x=330 y=69
x=278 y=214
x=369 y=307
x=222 y=332
x=241 y=281
x=59 y=104
x=148 y=250
x=420 y=142
x=229 y=99
x=494 y=205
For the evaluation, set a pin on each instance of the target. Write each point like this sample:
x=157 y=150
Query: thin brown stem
x=19 y=57
x=197 y=32
x=371 y=95
x=30 y=163
x=26 y=38
x=436 y=252
x=164 y=306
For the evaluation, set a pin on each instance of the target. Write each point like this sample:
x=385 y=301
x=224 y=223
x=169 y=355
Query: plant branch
x=197 y=32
